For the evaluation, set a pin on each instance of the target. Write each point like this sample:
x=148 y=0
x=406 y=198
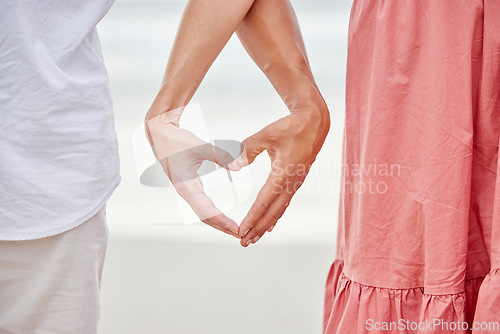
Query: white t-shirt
x=58 y=150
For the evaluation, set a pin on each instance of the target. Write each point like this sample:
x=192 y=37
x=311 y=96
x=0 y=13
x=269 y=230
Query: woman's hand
x=292 y=143
x=181 y=153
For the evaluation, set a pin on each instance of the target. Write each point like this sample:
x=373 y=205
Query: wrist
x=166 y=103
x=164 y=115
x=312 y=108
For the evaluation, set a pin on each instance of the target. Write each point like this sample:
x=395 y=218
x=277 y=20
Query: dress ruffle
x=352 y=307
x=488 y=304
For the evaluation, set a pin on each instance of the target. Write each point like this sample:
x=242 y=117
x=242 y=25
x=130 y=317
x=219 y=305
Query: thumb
x=252 y=147
x=216 y=154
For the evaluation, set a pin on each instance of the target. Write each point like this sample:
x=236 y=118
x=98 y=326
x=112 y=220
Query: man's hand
x=181 y=153
x=292 y=143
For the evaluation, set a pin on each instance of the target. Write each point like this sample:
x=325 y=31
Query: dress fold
x=418 y=242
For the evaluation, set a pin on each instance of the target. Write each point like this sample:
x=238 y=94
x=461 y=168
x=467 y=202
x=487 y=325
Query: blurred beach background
x=165 y=276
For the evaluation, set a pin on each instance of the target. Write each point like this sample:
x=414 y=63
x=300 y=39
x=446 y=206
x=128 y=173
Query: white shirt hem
x=59 y=230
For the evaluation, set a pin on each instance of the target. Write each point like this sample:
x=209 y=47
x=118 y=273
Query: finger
x=269 y=192
x=215 y=222
x=216 y=154
x=268 y=220
x=215 y=218
x=192 y=191
x=252 y=147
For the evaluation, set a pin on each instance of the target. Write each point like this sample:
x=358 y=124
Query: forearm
x=205 y=28
x=271 y=35
x=269 y=31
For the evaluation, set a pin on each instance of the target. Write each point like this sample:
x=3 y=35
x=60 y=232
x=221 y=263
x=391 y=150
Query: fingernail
x=271 y=228
x=248 y=243
x=255 y=239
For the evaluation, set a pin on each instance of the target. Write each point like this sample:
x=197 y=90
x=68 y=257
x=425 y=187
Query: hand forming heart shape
x=181 y=154
x=292 y=143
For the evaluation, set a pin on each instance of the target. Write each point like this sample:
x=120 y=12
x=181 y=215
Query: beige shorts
x=51 y=285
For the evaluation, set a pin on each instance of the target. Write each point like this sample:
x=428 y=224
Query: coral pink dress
x=419 y=222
